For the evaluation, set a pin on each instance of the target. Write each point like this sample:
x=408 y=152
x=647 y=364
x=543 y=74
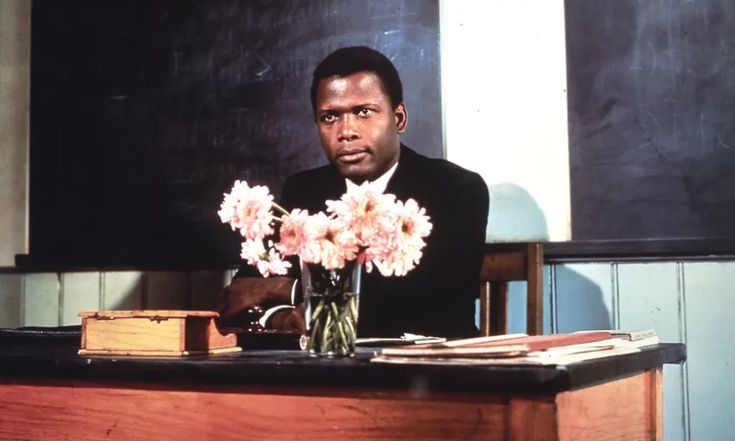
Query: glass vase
x=331 y=304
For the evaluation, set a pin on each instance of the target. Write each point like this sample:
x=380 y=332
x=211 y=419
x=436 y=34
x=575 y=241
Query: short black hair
x=348 y=60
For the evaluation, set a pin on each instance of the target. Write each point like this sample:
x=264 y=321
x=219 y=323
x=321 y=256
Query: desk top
x=59 y=360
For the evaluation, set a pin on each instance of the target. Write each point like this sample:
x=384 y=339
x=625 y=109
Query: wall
x=15 y=20
x=687 y=302
x=505 y=110
x=55 y=299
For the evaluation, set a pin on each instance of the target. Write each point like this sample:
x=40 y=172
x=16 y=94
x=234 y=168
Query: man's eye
x=364 y=111
x=329 y=118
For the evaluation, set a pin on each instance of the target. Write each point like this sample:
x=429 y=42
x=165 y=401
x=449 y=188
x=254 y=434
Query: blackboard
x=651 y=90
x=143 y=112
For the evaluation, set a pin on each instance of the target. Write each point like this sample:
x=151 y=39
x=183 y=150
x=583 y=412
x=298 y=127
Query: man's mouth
x=352 y=156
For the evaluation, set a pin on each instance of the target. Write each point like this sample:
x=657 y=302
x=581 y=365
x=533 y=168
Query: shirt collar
x=381 y=182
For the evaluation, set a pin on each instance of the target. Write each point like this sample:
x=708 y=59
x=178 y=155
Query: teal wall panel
x=650 y=296
x=517 y=307
x=80 y=291
x=166 y=290
x=11 y=300
x=517 y=293
x=710 y=308
x=41 y=299
x=583 y=296
x=122 y=290
x=206 y=286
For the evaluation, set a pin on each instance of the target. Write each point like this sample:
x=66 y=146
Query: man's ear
x=401 y=117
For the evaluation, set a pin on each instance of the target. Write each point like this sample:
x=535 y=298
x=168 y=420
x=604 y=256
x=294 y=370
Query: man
x=357 y=98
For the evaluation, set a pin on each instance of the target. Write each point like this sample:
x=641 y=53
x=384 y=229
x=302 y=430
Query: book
x=155 y=333
x=527 y=360
x=512 y=345
x=405 y=339
x=637 y=339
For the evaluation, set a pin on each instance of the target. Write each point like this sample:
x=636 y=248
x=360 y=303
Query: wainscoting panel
x=709 y=290
x=122 y=290
x=650 y=296
x=584 y=296
x=41 y=299
x=166 y=290
x=206 y=286
x=79 y=292
x=517 y=304
x=11 y=300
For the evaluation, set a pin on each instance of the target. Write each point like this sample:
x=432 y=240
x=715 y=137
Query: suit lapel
x=401 y=181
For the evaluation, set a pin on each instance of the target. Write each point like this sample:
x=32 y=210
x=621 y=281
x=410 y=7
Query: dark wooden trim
x=35 y=263
x=641 y=250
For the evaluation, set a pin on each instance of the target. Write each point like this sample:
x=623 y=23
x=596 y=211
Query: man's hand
x=288 y=319
x=246 y=292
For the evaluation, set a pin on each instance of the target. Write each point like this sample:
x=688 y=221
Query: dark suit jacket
x=438 y=296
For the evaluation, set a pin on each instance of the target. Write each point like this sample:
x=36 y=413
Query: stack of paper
x=521 y=348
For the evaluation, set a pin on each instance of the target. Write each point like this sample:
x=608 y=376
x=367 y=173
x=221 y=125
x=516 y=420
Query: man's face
x=358 y=128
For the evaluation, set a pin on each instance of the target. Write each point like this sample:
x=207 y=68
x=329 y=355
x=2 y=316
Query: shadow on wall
x=580 y=301
x=514 y=215
x=573 y=294
x=168 y=290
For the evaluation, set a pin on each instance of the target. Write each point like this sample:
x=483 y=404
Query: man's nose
x=348 y=128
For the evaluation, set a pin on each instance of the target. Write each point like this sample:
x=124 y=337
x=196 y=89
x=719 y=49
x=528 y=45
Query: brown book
x=157 y=333
x=498 y=346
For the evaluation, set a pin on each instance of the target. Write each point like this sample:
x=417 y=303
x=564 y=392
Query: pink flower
x=269 y=262
x=399 y=261
x=328 y=243
x=293 y=232
x=274 y=264
x=248 y=209
x=364 y=209
x=412 y=224
x=252 y=251
x=399 y=250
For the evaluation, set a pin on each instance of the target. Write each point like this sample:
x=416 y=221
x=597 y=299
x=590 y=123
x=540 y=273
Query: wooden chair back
x=504 y=263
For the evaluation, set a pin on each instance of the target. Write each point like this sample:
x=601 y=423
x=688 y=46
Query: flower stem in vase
x=332 y=324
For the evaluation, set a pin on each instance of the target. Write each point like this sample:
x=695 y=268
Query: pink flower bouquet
x=364 y=224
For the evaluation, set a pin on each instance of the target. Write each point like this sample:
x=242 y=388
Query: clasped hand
x=236 y=303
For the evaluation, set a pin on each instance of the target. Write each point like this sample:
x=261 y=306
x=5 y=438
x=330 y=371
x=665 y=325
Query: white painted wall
x=15 y=22
x=505 y=110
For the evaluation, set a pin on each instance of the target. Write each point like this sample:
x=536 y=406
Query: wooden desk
x=50 y=393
